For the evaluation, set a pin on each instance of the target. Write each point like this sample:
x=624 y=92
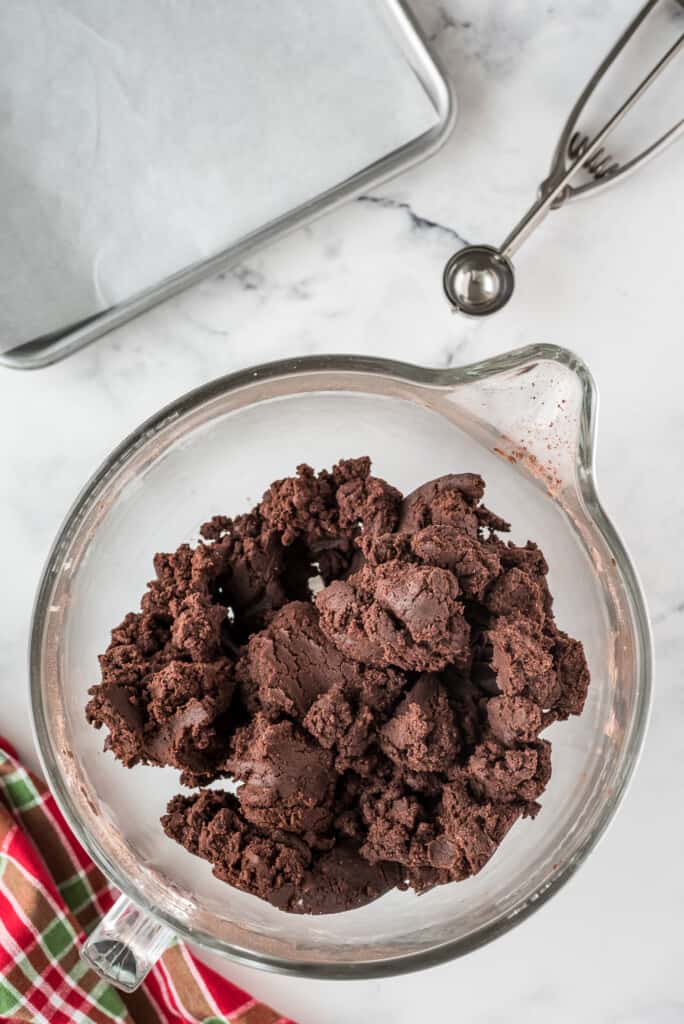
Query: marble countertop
x=602 y=278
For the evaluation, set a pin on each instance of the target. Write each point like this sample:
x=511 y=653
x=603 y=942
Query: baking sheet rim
x=47 y=350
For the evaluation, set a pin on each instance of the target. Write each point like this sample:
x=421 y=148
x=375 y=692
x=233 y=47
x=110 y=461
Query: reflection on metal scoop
x=479 y=279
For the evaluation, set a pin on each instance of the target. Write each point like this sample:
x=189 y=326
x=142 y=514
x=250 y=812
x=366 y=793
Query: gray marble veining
x=608 y=949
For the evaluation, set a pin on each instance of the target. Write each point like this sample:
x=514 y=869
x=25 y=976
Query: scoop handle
x=125 y=945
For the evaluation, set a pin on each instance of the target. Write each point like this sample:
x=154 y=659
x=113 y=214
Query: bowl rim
x=414 y=374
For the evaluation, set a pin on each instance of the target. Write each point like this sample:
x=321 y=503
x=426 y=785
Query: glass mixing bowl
x=526 y=422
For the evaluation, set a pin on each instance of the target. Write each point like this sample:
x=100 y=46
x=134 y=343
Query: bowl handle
x=125 y=945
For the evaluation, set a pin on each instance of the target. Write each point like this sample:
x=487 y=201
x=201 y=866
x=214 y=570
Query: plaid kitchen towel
x=51 y=896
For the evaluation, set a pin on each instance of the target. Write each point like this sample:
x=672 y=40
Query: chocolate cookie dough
x=373 y=673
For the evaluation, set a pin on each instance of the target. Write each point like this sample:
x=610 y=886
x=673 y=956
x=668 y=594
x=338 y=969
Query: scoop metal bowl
x=478 y=280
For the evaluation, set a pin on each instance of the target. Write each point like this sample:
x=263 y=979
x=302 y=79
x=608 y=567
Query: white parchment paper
x=137 y=138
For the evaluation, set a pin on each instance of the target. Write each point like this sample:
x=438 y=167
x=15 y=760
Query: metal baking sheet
x=146 y=146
